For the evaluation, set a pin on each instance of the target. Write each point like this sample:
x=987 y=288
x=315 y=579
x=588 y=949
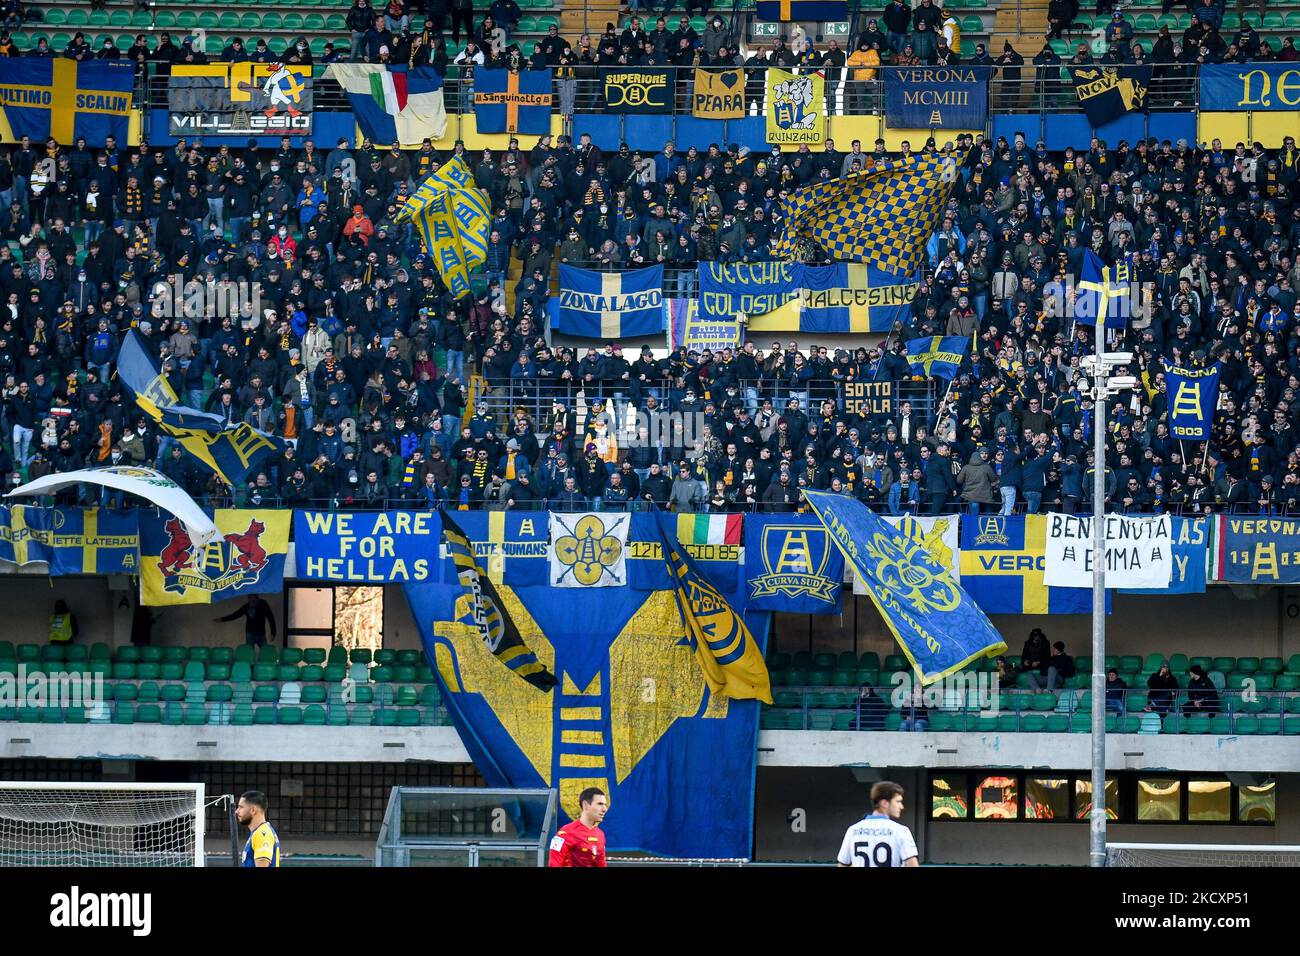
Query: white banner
x=589 y=550
x=144 y=483
x=1139 y=551
x=942 y=536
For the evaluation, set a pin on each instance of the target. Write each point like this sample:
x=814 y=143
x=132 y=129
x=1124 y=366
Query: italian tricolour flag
x=709 y=529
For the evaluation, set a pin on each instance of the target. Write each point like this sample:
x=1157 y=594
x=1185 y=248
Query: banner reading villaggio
x=1250 y=86
x=639 y=91
x=940 y=97
x=796 y=108
x=367 y=546
x=239 y=99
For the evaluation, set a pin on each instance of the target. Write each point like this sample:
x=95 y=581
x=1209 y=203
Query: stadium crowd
x=355 y=353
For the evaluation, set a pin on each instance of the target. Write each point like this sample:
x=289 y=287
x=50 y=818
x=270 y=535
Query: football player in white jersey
x=879 y=839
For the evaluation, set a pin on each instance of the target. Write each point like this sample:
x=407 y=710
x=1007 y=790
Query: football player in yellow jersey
x=263 y=846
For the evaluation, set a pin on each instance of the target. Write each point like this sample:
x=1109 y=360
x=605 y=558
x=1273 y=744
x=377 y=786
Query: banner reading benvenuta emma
x=1139 y=551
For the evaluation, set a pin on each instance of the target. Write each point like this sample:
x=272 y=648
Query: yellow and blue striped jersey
x=263 y=844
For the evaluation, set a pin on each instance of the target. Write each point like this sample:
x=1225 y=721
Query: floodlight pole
x=1097 y=818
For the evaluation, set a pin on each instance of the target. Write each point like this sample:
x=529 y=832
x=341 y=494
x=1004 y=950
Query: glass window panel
x=311 y=608
x=948 y=798
x=1257 y=804
x=1159 y=799
x=1083 y=798
x=359 y=617
x=1047 y=798
x=996 y=798
x=1209 y=801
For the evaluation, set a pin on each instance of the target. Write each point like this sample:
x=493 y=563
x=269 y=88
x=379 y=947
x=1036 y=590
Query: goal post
x=101 y=824
x=1201 y=854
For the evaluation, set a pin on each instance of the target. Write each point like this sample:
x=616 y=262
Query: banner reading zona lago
x=370 y=546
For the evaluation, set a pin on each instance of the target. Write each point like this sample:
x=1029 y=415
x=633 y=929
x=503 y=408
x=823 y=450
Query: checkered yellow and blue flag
x=453 y=218
x=884 y=216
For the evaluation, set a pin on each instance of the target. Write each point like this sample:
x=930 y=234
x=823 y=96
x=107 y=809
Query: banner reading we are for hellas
x=376 y=547
x=246 y=557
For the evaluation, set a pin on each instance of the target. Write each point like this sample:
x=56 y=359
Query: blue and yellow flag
x=65 y=99
x=246 y=557
x=453 y=217
x=802 y=11
x=510 y=102
x=1002 y=560
x=937 y=624
x=232 y=451
x=791 y=565
x=725 y=650
x=481 y=607
x=937 y=356
x=1105 y=290
x=609 y=305
x=71 y=540
x=883 y=217
x=1193 y=397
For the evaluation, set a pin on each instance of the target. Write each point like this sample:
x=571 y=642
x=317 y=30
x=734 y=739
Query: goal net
x=1191 y=854
x=101 y=824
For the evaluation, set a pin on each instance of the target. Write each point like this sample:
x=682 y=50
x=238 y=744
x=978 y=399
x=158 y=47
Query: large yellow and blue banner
x=239 y=99
x=632 y=714
x=802 y=11
x=938 y=97
x=233 y=451
x=609 y=305
x=1256 y=550
x=510 y=102
x=938 y=626
x=372 y=547
x=792 y=565
x=1002 y=562
x=843 y=297
x=1250 y=87
x=71 y=540
x=64 y=99
x=1193 y=396
x=246 y=557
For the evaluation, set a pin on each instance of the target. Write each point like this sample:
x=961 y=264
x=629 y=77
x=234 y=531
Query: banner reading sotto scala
x=246 y=557
x=239 y=99
x=632 y=713
x=609 y=304
x=64 y=99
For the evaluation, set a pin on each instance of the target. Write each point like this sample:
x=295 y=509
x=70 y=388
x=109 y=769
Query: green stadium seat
x=220 y=692
x=222 y=655
x=334 y=673
x=843 y=678
x=1286 y=682
x=430 y=695
x=264 y=671
x=410 y=717
x=313 y=655
x=194 y=670
x=362 y=655
x=29 y=652
x=120 y=18
x=1135 y=702
x=314 y=22
x=148 y=670
x=266 y=693
x=264 y=714
x=1033 y=723
x=200 y=653
x=171 y=692
x=1043 y=701
x=1245 y=725
x=362 y=715
x=48 y=714
x=314 y=715
x=1221 y=724
x=1247 y=665
x=245 y=653
x=364 y=693
x=165 y=19
x=124 y=714
x=337 y=655
x=148 y=692
x=313 y=694
x=241 y=715
x=1292 y=19
x=289 y=715
x=271 y=21
x=310 y=673
x=405 y=673
x=148 y=714
x=187 y=19
x=1225 y=664
x=126 y=691
x=286 y=672
x=796 y=677
x=1291 y=726
x=381 y=674
x=1080 y=723
x=1270 y=724
x=407 y=696
x=1272 y=20
x=74 y=18
x=387 y=717
x=196 y=715
x=153 y=655
x=291 y=655
x=268 y=652
x=218 y=671
x=1272 y=665
x=385 y=655
x=412 y=656
x=175 y=654
x=337 y=716
x=75 y=653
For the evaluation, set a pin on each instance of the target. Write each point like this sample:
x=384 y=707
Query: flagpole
x=1097 y=816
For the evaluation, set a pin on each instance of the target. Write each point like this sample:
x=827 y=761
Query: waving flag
x=937 y=356
x=394 y=104
x=452 y=216
x=509 y=102
x=937 y=624
x=1105 y=290
x=1195 y=397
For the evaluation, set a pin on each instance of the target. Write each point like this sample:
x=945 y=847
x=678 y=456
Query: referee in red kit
x=581 y=843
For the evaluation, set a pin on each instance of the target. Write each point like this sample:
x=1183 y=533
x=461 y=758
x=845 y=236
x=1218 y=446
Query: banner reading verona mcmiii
x=940 y=97
x=1139 y=551
x=375 y=547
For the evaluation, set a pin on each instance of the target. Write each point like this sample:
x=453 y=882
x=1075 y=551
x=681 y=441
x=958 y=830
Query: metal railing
x=1240 y=711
